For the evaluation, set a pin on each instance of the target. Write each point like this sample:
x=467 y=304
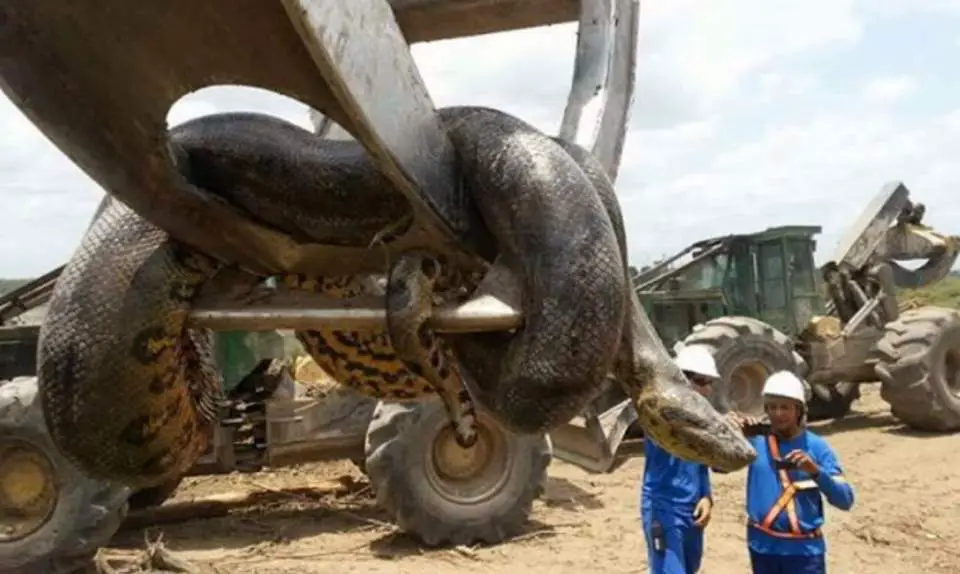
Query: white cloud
x=716 y=44
x=743 y=119
x=894 y=8
x=776 y=85
x=817 y=173
x=889 y=90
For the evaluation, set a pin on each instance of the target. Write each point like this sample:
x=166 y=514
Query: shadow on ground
x=269 y=516
x=855 y=421
x=286 y=514
x=565 y=495
x=397 y=545
x=882 y=420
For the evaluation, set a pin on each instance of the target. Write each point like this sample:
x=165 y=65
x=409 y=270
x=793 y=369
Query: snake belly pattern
x=114 y=376
x=669 y=410
x=129 y=391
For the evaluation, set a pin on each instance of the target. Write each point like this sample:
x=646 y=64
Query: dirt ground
x=904 y=518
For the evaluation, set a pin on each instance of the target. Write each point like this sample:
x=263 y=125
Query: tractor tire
x=411 y=454
x=82 y=515
x=918 y=364
x=832 y=402
x=746 y=351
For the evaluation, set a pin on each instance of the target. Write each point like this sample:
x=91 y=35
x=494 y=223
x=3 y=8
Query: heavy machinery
x=352 y=61
x=434 y=489
x=759 y=303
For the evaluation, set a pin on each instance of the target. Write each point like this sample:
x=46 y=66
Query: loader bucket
x=876 y=234
x=99 y=77
x=591 y=441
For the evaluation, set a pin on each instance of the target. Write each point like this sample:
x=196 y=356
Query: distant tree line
x=10 y=284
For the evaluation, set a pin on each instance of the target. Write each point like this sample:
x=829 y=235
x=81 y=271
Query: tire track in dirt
x=904 y=519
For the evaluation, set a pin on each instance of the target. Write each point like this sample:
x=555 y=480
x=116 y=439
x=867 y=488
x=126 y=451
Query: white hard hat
x=697 y=359
x=785 y=384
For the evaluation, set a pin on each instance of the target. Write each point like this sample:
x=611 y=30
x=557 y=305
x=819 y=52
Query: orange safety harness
x=784 y=502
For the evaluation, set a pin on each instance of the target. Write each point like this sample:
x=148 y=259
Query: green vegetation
x=10 y=284
x=943 y=294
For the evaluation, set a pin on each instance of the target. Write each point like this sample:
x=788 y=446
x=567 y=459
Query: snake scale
x=130 y=392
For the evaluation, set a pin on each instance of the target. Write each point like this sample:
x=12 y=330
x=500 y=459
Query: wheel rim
x=28 y=489
x=951 y=371
x=469 y=476
x=746 y=386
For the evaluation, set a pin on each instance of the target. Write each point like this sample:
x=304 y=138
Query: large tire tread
x=394 y=448
x=911 y=380
x=731 y=337
x=88 y=512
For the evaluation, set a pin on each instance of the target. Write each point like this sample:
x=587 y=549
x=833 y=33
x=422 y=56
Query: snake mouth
x=685 y=424
x=28 y=489
x=728 y=449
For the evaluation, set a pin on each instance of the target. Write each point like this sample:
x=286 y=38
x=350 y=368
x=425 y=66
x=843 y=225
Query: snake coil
x=129 y=391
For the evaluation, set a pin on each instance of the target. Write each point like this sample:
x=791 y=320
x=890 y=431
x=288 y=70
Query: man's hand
x=803 y=461
x=702 y=512
x=742 y=420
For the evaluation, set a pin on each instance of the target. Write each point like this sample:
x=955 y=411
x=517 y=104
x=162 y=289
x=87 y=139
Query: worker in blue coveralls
x=794 y=470
x=676 y=499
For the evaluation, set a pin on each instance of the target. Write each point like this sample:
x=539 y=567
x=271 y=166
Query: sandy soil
x=904 y=518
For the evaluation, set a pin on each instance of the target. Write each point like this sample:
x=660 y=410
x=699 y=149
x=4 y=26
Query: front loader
x=99 y=78
x=759 y=304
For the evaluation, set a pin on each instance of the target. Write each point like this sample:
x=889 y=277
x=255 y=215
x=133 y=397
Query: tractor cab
x=769 y=275
x=773 y=277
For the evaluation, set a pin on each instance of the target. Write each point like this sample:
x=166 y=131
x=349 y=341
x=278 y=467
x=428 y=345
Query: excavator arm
x=111 y=74
x=866 y=271
x=910 y=239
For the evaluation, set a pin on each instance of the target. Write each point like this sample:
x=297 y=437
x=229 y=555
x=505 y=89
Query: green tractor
x=759 y=303
x=748 y=297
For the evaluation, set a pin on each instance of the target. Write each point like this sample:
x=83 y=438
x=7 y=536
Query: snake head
x=686 y=425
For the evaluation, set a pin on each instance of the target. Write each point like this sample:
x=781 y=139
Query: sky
x=746 y=115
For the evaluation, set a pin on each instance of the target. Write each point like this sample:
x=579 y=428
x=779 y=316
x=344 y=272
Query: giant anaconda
x=129 y=391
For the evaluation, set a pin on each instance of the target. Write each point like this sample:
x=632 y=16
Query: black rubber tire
x=150 y=497
x=918 y=359
x=88 y=512
x=832 y=402
x=735 y=341
x=399 y=462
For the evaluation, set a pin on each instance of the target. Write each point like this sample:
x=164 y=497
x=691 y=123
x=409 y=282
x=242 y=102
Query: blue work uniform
x=785 y=507
x=671 y=489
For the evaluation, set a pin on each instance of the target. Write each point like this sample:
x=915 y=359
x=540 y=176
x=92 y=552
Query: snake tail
x=410 y=298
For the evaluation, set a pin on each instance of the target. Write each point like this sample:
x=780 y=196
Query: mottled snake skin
x=129 y=392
